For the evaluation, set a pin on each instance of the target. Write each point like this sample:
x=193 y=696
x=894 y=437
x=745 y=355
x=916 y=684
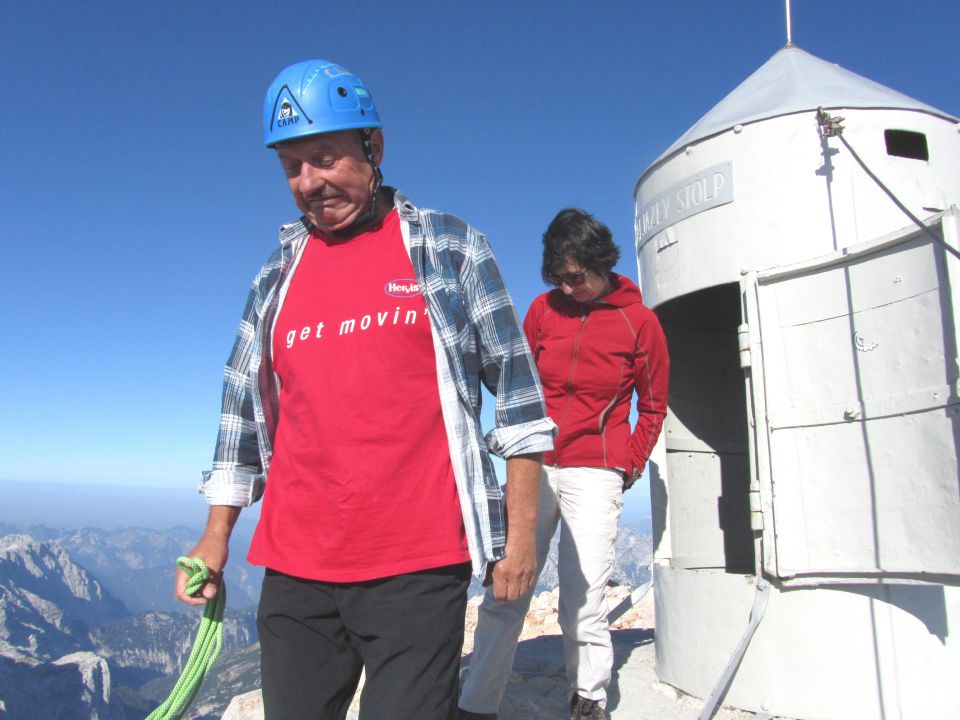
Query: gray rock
x=76 y=686
x=48 y=602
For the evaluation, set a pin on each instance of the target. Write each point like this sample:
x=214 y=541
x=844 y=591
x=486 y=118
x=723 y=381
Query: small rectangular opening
x=907 y=144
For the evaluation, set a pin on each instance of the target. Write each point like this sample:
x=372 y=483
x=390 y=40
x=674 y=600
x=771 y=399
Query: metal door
x=852 y=383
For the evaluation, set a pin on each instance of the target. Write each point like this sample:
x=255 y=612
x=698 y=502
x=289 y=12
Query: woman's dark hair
x=575 y=234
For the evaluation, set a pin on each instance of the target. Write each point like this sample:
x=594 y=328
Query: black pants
x=405 y=630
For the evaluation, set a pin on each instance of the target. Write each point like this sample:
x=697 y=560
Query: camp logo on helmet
x=287 y=110
x=287 y=115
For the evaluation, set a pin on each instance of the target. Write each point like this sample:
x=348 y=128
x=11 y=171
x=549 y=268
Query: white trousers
x=587 y=503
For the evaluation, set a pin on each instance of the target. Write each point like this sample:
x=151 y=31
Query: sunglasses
x=575 y=279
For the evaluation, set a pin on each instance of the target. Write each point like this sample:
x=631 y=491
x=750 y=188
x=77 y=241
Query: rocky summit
x=538 y=686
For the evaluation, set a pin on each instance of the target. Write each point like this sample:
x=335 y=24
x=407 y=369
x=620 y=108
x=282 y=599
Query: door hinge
x=756 y=511
x=743 y=342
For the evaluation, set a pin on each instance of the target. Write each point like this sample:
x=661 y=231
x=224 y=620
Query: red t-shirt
x=361 y=485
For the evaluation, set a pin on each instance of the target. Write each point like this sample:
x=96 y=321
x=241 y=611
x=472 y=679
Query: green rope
x=205 y=648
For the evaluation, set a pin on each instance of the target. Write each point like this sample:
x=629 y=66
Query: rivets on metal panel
x=851 y=413
x=689 y=150
x=738 y=129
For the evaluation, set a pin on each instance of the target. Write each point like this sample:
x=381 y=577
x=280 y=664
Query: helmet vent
x=342 y=91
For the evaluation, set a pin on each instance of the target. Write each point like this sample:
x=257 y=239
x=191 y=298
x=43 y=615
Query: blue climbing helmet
x=314 y=97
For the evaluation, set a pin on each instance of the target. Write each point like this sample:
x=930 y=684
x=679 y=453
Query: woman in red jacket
x=595 y=345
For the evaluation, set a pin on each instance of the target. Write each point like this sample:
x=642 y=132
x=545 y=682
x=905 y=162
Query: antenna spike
x=789 y=26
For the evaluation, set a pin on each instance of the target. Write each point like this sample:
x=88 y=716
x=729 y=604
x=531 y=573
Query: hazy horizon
x=68 y=505
x=74 y=505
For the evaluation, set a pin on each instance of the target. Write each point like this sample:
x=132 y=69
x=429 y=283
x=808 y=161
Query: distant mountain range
x=136 y=565
x=71 y=649
x=89 y=627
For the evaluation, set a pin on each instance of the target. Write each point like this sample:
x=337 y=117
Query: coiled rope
x=205 y=649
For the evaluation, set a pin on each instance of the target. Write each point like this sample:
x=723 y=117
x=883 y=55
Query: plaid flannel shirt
x=477 y=338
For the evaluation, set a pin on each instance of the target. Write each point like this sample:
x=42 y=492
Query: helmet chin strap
x=370 y=214
x=365 y=135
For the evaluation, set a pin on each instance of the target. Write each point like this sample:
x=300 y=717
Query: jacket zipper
x=603 y=417
x=573 y=369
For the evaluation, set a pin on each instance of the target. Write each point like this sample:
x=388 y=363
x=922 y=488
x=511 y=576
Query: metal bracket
x=756 y=615
x=632 y=599
x=830 y=126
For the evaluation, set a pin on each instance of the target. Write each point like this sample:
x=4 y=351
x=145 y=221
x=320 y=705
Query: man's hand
x=213 y=549
x=515 y=575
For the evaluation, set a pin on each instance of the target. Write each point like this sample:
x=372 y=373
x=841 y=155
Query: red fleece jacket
x=591 y=358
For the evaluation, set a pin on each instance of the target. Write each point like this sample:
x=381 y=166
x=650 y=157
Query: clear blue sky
x=138 y=200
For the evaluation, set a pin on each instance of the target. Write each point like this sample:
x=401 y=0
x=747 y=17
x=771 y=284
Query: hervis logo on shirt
x=402 y=288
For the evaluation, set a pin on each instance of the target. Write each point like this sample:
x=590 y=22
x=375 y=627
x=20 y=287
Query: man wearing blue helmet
x=351 y=406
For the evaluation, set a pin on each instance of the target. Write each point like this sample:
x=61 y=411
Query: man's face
x=330 y=177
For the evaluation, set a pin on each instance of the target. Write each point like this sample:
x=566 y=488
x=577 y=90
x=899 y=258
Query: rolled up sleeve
x=528 y=437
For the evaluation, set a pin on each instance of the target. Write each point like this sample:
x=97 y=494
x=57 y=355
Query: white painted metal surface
x=814 y=424
x=860 y=380
x=864 y=651
x=796 y=196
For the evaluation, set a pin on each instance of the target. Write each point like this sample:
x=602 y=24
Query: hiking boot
x=467 y=715
x=583 y=709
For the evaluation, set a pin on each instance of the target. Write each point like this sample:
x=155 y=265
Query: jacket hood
x=625 y=292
